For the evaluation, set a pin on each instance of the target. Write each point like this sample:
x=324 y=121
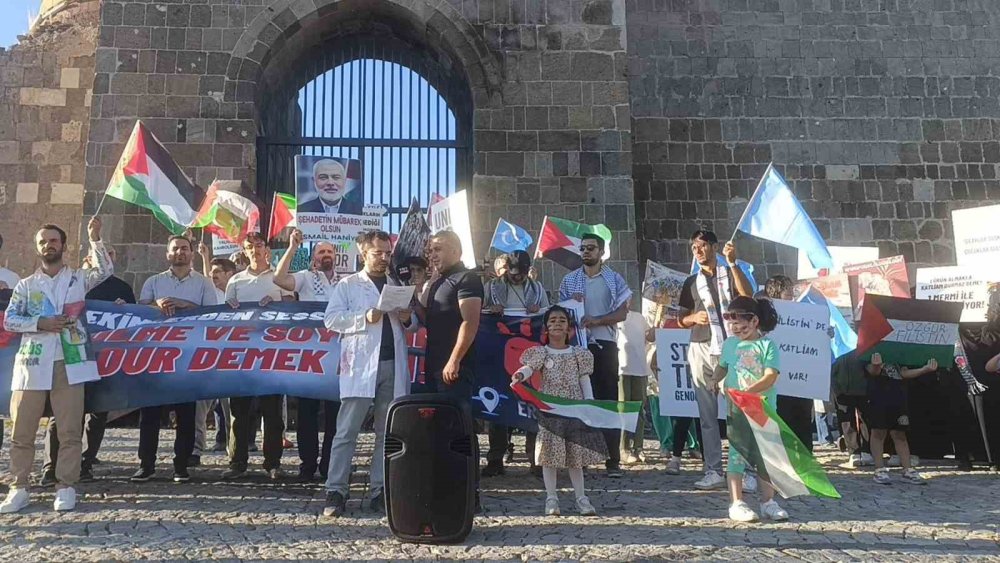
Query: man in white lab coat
x=372 y=366
x=52 y=363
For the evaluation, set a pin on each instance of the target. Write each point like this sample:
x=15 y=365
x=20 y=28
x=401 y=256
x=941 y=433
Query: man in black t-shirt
x=114 y=290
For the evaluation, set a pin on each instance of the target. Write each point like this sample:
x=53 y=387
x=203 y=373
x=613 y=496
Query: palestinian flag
x=148 y=177
x=759 y=435
x=282 y=213
x=559 y=241
x=909 y=331
x=613 y=415
x=228 y=215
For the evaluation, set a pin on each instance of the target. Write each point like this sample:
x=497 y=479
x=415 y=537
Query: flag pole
x=101 y=203
x=750 y=201
x=537 y=242
x=495 y=231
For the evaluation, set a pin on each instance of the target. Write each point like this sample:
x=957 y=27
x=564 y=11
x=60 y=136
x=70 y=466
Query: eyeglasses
x=588 y=248
x=738 y=316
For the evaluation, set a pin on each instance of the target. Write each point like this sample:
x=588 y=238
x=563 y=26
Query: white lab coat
x=360 y=340
x=39 y=295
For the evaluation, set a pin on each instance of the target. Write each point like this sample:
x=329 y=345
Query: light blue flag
x=745 y=266
x=508 y=237
x=844 y=338
x=774 y=214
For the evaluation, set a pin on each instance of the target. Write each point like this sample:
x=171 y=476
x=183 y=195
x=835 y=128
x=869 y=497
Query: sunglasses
x=738 y=316
x=589 y=248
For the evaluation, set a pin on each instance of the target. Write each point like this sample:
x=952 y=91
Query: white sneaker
x=15 y=501
x=913 y=477
x=585 y=508
x=552 y=507
x=674 y=466
x=770 y=510
x=65 y=499
x=882 y=477
x=749 y=483
x=741 y=512
x=712 y=480
x=854 y=461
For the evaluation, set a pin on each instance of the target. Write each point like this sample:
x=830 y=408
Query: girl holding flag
x=749 y=363
x=563 y=442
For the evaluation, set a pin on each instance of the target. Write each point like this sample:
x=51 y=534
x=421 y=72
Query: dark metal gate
x=382 y=101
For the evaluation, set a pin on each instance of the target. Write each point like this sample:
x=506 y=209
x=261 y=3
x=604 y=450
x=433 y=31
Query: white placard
x=803 y=340
x=222 y=248
x=452 y=214
x=632 y=345
x=977 y=235
x=677 y=395
x=969 y=285
x=841 y=255
x=395 y=297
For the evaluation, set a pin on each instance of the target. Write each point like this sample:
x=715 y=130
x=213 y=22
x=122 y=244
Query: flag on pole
x=560 y=239
x=508 y=237
x=611 y=415
x=773 y=213
x=412 y=238
x=147 y=176
x=282 y=213
x=844 y=338
x=769 y=445
x=909 y=331
x=227 y=214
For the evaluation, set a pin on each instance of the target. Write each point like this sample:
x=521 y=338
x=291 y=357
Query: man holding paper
x=372 y=365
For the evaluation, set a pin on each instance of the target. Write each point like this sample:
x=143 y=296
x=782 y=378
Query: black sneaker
x=181 y=476
x=142 y=475
x=615 y=472
x=234 y=473
x=493 y=469
x=86 y=475
x=194 y=461
x=378 y=503
x=336 y=504
x=305 y=476
x=48 y=479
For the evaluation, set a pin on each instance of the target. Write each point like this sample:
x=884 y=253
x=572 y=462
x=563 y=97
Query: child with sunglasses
x=749 y=363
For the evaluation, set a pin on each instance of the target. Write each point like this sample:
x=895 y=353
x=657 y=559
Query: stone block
x=842 y=172
x=52 y=97
x=27 y=192
x=69 y=78
x=71 y=131
x=10 y=152
x=71 y=194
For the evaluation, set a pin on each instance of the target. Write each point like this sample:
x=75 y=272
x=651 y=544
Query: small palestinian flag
x=909 y=331
x=148 y=177
x=759 y=435
x=559 y=241
x=282 y=213
x=228 y=215
x=612 y=415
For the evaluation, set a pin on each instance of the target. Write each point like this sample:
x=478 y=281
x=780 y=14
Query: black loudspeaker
x=431 y=460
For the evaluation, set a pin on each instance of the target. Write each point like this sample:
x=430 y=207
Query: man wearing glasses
x=605 y=297
x=703 y=303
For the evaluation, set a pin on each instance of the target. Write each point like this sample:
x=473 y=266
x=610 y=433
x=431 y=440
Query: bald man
x=330 y=182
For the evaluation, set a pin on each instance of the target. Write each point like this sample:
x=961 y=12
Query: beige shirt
x=247 y=287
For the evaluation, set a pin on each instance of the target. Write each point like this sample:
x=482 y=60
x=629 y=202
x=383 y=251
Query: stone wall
x=45 y=98
x=551 y=113
x=883 y=115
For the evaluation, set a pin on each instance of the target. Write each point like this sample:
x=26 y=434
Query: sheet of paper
x=395 y=297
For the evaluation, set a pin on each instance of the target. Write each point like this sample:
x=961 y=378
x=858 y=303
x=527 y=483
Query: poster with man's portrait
x=329 y=195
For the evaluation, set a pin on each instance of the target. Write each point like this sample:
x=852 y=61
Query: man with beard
x=44 y=308
x=511 y=290
x=372 y=368
x=256 y=285
x=704 y=299
x=314 y=285
x=330 y=181
x=115 y=290
x=605 y=296
x=172 y=291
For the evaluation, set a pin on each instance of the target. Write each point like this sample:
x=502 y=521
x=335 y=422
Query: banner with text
x=452 y=214
x=677 y=395
x=965 y=284
x=977 y=235
x=803 y=339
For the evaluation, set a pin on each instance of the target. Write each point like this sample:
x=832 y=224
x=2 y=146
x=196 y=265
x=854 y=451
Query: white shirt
x=9 y=278
x=313 y=285
x=220 y=296
x=247 y=287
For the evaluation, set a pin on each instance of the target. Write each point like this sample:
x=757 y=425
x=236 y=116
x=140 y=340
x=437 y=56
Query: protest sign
x=677 y=394
x=329 y=199
x=965 y=284
x=661 y=291
x=886 y=276
x=835 y=288
x=452 y=214
x=803 y=341
x=977 y=235
x=841 y=255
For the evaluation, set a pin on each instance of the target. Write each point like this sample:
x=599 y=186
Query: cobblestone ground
x=646 y=515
